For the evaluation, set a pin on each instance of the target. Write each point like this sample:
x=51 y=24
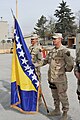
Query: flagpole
x=16 y=8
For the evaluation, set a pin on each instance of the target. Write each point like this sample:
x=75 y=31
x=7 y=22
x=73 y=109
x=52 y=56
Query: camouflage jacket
x=77 y=66
x=60 y=61
x=36 y=59
x=36 y=55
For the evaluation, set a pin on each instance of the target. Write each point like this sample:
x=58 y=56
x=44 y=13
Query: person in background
x=60 y=61
x=35 y=50
x=77 y=73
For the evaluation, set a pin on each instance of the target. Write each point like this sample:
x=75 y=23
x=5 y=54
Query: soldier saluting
x=60 y=61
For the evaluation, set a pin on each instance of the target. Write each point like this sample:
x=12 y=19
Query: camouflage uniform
x=60 y=61
x=77 y=69
x=36 y=59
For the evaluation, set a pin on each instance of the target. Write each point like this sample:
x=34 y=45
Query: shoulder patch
x=68 y=53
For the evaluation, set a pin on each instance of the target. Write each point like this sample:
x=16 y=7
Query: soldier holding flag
x=35 y=50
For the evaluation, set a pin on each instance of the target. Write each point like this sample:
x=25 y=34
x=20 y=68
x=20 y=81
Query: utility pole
x=16 y=8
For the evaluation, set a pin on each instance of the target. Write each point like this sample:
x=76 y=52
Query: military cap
x=57 y=35
x=34 y=36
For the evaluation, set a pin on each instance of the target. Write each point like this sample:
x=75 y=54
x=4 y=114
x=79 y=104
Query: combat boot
x=55 y=112
x=64 y=116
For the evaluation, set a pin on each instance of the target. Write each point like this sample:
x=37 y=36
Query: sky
x=29 y=11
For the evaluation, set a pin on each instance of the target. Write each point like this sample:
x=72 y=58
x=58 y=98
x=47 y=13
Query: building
x=71 y=41
x=3 y=30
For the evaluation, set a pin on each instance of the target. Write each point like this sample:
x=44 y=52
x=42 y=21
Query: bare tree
x=78 y=20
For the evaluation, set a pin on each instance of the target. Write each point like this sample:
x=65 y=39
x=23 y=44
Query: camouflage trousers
x=59 y=95
x=78 y=89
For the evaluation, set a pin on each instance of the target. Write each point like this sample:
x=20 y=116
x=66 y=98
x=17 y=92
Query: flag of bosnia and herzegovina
x=24 y=82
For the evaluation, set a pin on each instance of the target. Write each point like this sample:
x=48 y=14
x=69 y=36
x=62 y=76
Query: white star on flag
x=17 y=38
x=30 y=71
x=27 y=67
x=19 y=45
x=21 y=53
x=24 y=60
x=34 y=77
x=37 y=83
